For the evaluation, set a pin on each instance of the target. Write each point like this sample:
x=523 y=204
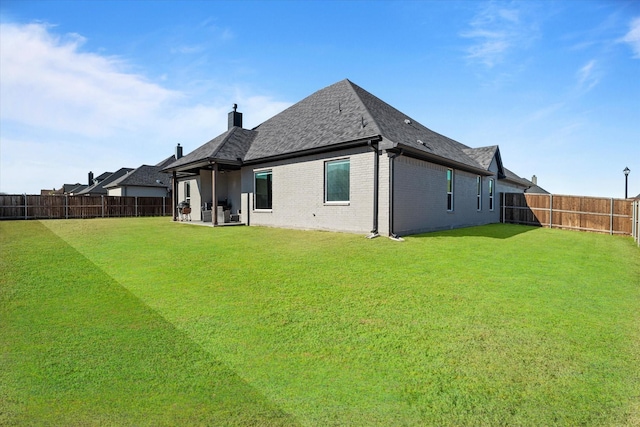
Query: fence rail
x=24 y=206
x=594 y=214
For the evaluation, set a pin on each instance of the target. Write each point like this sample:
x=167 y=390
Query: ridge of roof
x=332 y=115
x=142 y=176
x=329 y=118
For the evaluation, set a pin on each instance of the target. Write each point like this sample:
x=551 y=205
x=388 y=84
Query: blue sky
x=99 y=85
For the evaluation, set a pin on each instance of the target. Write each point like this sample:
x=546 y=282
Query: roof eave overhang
x=433 y=158
x=517 y=181
x=201 y=164
x=318 y=150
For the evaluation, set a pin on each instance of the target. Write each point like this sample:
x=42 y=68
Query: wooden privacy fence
x=59 y=206
x=595 y=214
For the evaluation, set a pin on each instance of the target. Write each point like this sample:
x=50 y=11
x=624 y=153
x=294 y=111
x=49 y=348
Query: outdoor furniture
x=186 y=214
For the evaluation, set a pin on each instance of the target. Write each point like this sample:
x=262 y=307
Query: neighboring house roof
x=534 y=188
x=144 y=176
x=166 y=162
x=99 y=187
x=102 y=177
x=333 y=118
x=75 y=188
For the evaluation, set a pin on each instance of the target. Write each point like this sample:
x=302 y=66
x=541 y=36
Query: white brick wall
x=298 y=194
x=420 y=199
x=196 y=214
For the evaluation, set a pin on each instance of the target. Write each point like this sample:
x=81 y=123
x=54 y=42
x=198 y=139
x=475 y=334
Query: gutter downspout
x=392 y=235
x=174 y=195
x=376 y=179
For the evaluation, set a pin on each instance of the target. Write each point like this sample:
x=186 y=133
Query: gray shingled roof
x=99 y=188
x=230 y=146
x=340 y=113
x=144 y=176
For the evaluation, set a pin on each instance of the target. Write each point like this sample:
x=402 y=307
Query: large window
x=491 y=190
x=479 y=192
x=450 y=189
x=187 y=192
x=336 y=180
x=263 y=190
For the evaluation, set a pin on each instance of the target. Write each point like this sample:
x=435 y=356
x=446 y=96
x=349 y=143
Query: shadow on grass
x=83 y=350
x=492 y=231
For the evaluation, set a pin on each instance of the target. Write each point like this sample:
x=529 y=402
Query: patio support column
x=214 y=198
x=174 y=194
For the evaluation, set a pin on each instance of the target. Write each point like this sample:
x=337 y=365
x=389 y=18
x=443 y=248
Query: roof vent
x=425 y=144
x=407 y=121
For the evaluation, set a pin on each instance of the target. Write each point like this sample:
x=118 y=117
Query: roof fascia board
x=319 y=150
x=421 y=155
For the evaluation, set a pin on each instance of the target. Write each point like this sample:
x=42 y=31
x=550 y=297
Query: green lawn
x=149 y=322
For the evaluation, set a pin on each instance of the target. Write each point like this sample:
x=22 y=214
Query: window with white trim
x=491 y=190
x=450 y=190
x=263 y=187
x=337 y=181
x=187 y=192
x=479 y=192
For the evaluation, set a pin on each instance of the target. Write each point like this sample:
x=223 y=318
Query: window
x=187 y=192
x=336 y=180
x=490 y=194
x=450 y=189
x=263 y=190
x=479 y=192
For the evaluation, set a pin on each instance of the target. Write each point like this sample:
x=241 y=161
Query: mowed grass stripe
x=496 y=325
x=76 y=348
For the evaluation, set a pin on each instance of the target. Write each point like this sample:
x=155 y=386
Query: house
x=534 y=187
x=144 y=181
x=343 y=160
x=99 y=183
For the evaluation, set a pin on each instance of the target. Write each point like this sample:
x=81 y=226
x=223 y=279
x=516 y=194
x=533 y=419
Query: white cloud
x=65 y=110
x=497 y=30
x=588 y=76
x=47 y=82
x=633 y=37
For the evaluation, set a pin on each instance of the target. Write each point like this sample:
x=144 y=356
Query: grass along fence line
x=62 y=206
x=143 y=321
x=593 y=214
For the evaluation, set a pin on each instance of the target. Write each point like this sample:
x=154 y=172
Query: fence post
x=136 y=204
x=102 y=203
x=550 y=210
x=164 y=204
x=504 y=220
x=633 y=220
x=25 y=204
x=66 y=206
x=611 y=219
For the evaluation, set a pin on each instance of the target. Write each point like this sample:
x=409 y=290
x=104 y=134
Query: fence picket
x=596 y=214
x=22 y=206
